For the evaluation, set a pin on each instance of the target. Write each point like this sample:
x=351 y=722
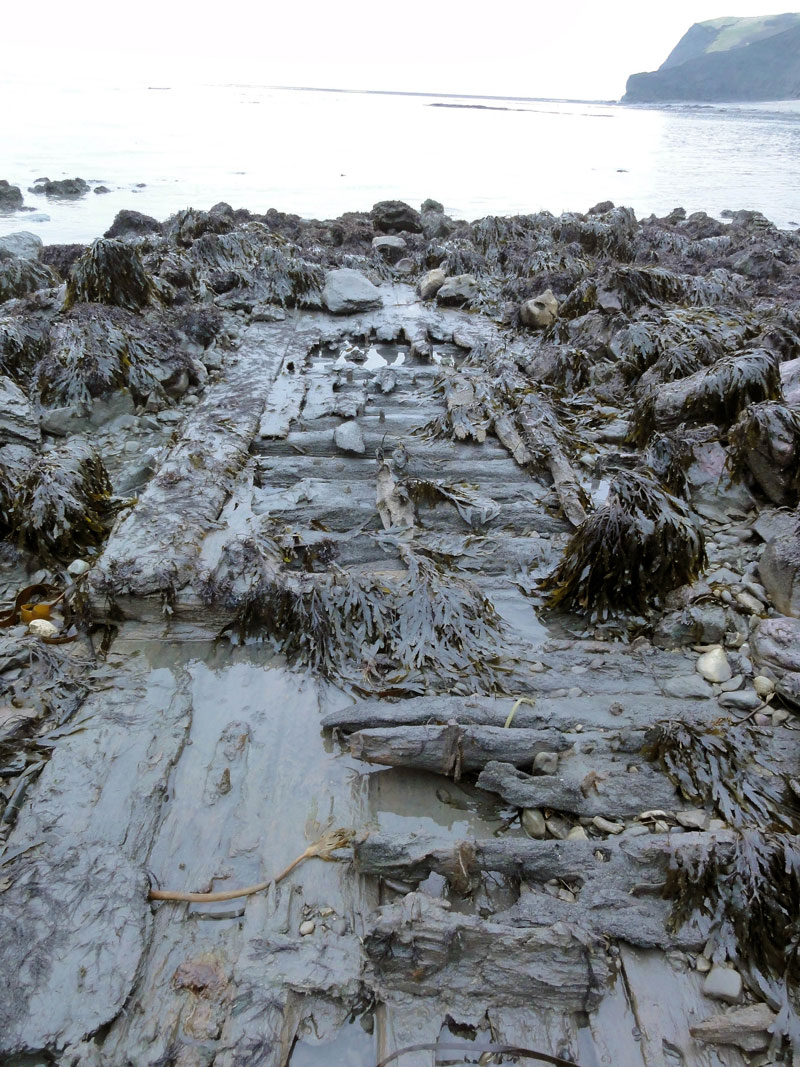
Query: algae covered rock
x=132 y=224
x=109 y=272
x=394 y=216
x=766 y=440
x=19 y=276
x=18 y=425
x=10 y=197
x=779 y=569
x=540 y=311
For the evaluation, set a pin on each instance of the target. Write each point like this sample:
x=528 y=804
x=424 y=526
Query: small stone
x=744 y=700
x=635 y=830
x=723 y=983
x=42 y=628
x=77 y=568
x=567 y=895
x=616 y=708
x=692 y=819
x=537 y=668
x=578 y=727
x=703 y=964
x=540 y=312
x=533 y=823
x=761 y=720
x=577 y=833
x=307 y=927
x=348 y=438
x=714 y=666
x=546 y=762
x=751 y=604
x=391 y=248
x=431 y=283
x=763 y=686
x=654 y=813
x=558 y=826
x=779 y=717
x=660 y=827
x=605 y=826
x=733 y=684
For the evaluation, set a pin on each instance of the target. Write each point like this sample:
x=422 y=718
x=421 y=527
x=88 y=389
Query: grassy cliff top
x=725 y=34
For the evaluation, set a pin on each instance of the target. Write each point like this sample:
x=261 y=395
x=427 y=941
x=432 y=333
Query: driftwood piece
x=418 y=946
x=608 y=788
x=453 y=748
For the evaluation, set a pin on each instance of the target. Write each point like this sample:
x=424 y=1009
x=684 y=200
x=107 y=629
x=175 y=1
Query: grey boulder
x=431 y=283
x=457 y=290
x=775 y=649
x=395 y=216
x=780 y=572
x=18 y=425
x=22 y=244
x=539 y=312
x=390 y=248
x=347 y=292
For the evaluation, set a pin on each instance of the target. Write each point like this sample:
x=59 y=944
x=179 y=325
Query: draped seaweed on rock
x=22 y=344
x=747 y=895
x=412 y=629
x=109 y=272
x=765 y=439
x=722 y=767
x=91 y=355
x=629 y=553
x=292 y=281
x=714 y=394
x=18 y=277
x=63 y=502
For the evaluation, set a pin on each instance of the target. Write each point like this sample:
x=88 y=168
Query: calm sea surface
x=321 y=153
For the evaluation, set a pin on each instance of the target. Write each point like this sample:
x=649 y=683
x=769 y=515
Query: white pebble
x=714 y=666
x=763 y=686
x=42 y=628
x=307 y=927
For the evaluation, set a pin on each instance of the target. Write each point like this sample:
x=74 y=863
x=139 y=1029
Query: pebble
x=761 y=720
x=558 y=826
x=733 y=684
x=714 y=666
x=577 y=833
x=692 y=819
x=566 y=894
x=538 y=667
x=751 y=604
x=744 y=700
x=307 y=927
x=78 y=567
x=533 y=823
x=703 y=965
x=780 y=716
x=763 y=686
x=635 y=830
x=723 y=983
x=546 y=762
x=42 y=628
x=660 y=827
x=606 y=826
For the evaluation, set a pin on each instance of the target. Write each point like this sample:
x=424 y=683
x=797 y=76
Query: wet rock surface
x=513 y=605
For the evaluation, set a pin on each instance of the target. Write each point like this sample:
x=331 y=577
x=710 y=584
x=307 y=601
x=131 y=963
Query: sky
x=575 y=49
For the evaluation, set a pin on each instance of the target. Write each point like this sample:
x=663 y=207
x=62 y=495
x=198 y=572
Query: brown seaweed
x=109 y=272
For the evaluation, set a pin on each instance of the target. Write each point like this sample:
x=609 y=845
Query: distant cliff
x=727 y=59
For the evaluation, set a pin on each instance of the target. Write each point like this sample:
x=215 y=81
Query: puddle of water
x=352 y=1047
x=404 y=801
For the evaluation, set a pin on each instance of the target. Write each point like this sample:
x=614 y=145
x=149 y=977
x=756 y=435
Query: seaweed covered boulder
x=394 y=216
x=18 y=425
x=780 y=571
x=109 y=272
x=22 y=243
x=629 y=553
x=68 y=188
x=713 y=394
x=765 y=440
x=10 y=197
x=61 y=503
x=21 y=276
x=132 y=224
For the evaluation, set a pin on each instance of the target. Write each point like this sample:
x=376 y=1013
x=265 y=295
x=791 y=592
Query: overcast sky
x=569 y=48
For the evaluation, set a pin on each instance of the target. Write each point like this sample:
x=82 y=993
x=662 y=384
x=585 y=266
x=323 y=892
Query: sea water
x=320 y=153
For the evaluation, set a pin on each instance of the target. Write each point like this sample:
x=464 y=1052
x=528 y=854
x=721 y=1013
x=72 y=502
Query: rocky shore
x=477 y=541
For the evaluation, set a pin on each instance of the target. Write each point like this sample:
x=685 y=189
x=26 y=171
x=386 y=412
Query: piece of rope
x=507 y=1050
x=322 y=849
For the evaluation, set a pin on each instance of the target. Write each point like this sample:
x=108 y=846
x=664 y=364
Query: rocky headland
x=727 y=59
x=478 y=542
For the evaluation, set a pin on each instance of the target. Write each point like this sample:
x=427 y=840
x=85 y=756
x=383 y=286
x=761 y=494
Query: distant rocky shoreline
x=369 y=520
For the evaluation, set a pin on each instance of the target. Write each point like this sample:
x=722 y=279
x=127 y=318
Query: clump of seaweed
x=748 y=894
x=62 y=503
x=629 y=553
x=291 y=279
x=765 y=440
x=419 y=628
x=475 y=510
x=714 y=394
x=189 y=224
x=109 y=272
x=90 y=356
x=22 y=343
x=720 y=766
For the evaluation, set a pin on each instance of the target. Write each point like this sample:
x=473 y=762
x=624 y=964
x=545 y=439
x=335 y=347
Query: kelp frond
x=629 y=553
x=109 y=272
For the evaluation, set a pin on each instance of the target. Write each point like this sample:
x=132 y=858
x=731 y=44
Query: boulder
x=723 y=983
x=22 y=244
x=67 y=187
x=18 y=425
x=435 y=224
x=10 y=197
x=347 y=291
x=539 y=312
x=132 y=224
x=393 y=216
x=746 y=1028
x=780 y=572
x=430 y=284
x=390 y=248
x=432 y=205
x=790 y=382
x=457 y=290
x=775 y=650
